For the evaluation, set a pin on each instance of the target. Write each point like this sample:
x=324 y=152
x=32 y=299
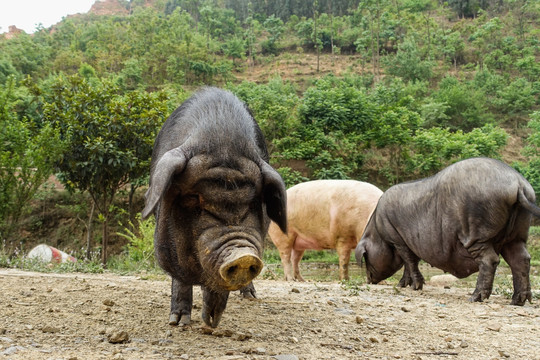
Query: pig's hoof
x=479 y=296
x=519 y=299
x=173 y=319
x=185 y=320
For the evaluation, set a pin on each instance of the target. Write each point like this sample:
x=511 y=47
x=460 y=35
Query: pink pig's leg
x=296 y=257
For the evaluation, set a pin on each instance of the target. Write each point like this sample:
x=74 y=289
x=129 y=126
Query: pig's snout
x=239 y=268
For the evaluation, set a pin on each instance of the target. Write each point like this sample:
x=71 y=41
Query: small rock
x=2 y=331
x=344 y=311
x=118 y=337
x=207 y=330
x=294 y=340
x=184 y=356
x=50 y=329
x=108 y=302
x=222 y=333
x=285 y=357
x=242 y=336
x=5 y=339
x=12 y=350
x=504 y=353
x=260 y=351
x=373 y=339
x=445 y=280
x=494 y=327
x=295 y=290
x=405 y=309
x=464 y=344
x=359 y=319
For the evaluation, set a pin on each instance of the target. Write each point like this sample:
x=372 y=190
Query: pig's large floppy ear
x=171 y=163
x=359 y=253
x=275 y=196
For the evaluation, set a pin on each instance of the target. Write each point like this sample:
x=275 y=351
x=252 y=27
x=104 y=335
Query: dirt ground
x=105 y=316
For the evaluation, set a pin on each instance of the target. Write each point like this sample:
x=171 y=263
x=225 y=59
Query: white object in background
x=48 y=253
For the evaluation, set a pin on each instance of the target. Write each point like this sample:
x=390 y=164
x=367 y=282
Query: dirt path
x=79 y=316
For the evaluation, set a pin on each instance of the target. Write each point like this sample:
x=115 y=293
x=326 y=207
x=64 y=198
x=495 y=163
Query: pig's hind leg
x=488 y=260
x=518 y=258
x=181 y=303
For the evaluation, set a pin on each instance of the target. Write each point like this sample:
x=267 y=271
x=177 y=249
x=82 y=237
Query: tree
x=27 y=154
x=531 y=170
x=109 y=138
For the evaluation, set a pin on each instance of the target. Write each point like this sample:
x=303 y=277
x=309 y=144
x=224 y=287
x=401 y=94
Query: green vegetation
x=398 y=91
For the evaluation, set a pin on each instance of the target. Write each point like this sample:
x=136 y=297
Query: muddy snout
x=239 y=268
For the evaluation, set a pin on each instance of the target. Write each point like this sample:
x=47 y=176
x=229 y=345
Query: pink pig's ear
x=275 y=195
x=171 y=163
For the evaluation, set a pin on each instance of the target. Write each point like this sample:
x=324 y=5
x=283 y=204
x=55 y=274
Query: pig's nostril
x=231 y=270
x=254 y=270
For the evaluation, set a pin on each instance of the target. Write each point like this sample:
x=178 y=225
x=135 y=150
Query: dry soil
x=105 y=316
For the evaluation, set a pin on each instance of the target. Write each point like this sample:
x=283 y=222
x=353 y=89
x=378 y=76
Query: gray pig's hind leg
x=214 y=304
x=487 y=260
x=518 y=258
x=248 y=291
x=181 y=303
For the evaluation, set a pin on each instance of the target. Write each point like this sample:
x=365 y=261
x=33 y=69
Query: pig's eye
x=191 y=200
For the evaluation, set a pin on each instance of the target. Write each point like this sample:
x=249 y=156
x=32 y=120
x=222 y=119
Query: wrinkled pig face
x=222 y=206
x=381 y=260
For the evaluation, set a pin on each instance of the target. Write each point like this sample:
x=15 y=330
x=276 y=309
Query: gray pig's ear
x=171 y=163
x=275 y=196
x=359 y=253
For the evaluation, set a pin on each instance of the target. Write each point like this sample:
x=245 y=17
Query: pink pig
x=324 y=214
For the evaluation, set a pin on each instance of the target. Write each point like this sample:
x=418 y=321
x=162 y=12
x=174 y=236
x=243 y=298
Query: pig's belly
x=305 y=243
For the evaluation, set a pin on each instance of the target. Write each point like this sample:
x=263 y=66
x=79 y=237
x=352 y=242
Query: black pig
x=458 y=220
x=213 y=194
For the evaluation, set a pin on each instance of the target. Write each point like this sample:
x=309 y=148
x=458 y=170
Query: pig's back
x=322 y=210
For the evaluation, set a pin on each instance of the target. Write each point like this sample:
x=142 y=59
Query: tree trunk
x=90 y=231
x=105 y=239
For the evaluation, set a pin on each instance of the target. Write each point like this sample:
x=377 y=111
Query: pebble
x=242 y=336
x=494 y=327
x=222 y=333
x=285 y=357
x=117 y=336
x=5 y=339
x=504 y=353
x=108 y=302
x=184 y=356
x=359 y=319
x=405 y=309
x=12 y=350
x=50 y=329
x=295 y=290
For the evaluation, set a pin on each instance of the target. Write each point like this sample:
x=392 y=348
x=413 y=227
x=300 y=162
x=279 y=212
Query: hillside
x=349 y=89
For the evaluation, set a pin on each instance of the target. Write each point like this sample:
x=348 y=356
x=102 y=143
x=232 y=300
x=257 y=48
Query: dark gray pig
x=213 y=194
x=458 y=220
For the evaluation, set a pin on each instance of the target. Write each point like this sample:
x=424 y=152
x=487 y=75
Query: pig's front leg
x=181 y=303
x=214 y=304
x=248 y=291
